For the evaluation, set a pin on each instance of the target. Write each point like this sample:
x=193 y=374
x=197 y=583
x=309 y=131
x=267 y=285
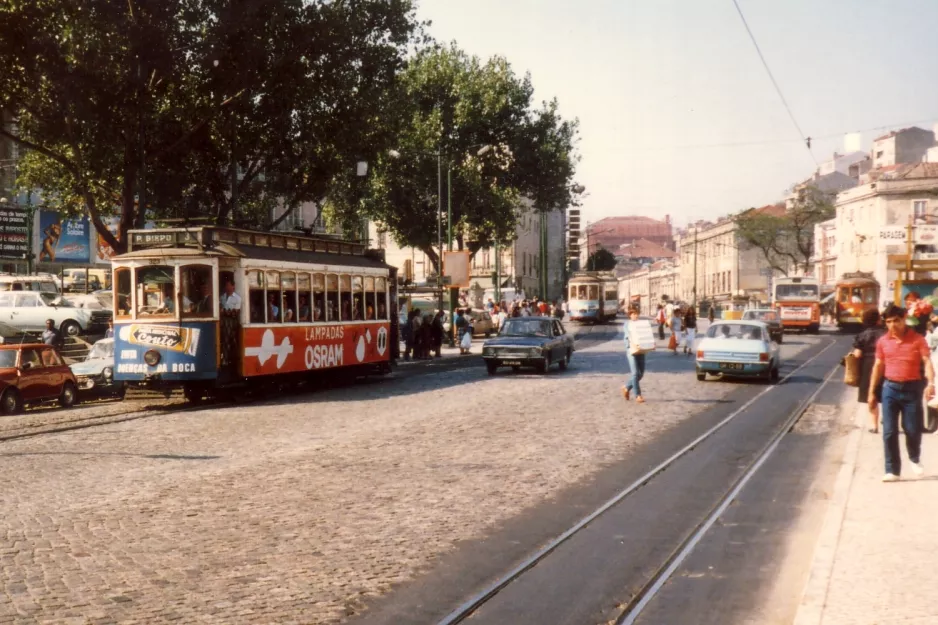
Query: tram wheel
x=194 y=393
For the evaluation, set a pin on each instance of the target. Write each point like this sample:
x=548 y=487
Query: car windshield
x=54 y=299
x=525 y=327
x=102 y=349
x=735 y=331
x=796 y=291
x=761 y=315
x=7 y=358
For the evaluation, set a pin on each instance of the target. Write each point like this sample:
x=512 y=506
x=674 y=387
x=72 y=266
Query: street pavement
x=307 y=508
x=875 y=559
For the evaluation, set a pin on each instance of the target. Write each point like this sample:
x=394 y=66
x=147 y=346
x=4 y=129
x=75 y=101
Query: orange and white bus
x=798 y=301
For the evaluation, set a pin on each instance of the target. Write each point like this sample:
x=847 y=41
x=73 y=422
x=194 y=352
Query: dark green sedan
x=535 y=342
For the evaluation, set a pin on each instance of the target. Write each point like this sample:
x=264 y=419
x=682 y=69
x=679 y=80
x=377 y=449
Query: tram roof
x=215 y=241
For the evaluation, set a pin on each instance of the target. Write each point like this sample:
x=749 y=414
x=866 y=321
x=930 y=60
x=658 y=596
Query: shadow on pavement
x=108 y=453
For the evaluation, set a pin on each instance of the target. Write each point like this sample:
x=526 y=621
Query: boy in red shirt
x=901 y=357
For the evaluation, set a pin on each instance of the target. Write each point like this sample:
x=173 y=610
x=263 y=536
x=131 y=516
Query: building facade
x=612 y=232
x=728 y=272
x=908 y=145
x=897 y=197
x=824 y=260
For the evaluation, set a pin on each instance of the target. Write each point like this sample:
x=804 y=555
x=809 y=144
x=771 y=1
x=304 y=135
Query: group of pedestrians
x=523 y=308
x=896 y=373
x=422 y=334
x=681 y=322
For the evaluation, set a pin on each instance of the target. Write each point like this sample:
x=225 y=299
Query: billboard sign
x=63 y=240
x=14 y=230
x=456 y=268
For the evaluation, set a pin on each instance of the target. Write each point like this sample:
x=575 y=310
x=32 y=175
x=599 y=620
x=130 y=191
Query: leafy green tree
x=601 y=260
x=216 y=108
x=786 y=238
x=473 y=119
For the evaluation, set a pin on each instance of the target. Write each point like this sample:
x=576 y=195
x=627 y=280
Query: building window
x=919 y=209
x=879 y=154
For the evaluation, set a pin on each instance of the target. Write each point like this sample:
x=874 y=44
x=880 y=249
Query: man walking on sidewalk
x=901 y=356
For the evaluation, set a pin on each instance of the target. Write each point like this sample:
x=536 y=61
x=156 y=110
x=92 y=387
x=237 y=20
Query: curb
x=814 y=597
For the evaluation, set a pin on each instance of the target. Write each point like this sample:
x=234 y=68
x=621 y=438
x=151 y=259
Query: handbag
x=852 y=370
x=672 y=342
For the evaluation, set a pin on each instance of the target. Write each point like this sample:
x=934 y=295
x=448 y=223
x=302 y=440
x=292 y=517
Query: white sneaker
x=889 y=477
x=917 y=468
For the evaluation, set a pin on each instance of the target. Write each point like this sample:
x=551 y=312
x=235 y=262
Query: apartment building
x=898 y=195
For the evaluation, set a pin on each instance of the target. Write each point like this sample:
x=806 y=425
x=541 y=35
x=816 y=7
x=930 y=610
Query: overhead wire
x=807 y=140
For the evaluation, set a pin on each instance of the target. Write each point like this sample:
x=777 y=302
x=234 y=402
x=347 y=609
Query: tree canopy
x=215 y=108
x=601 y=260
x=475 y=121
x=786 y=241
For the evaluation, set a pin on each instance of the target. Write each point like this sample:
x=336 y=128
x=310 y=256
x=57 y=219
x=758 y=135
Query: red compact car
x=32 y=374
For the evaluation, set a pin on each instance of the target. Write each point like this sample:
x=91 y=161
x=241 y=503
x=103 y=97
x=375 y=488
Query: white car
x=28 y=310
x=738 y=348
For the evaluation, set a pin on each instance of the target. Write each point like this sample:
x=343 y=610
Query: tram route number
x=166 y=367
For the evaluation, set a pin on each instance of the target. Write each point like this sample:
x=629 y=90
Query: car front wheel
x=701 y=376
x=565 y=362
x=544 y=364
x=11 y=403
x=68 y=396
x=71 y=328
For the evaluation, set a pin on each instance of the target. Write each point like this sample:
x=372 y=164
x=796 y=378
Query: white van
x=41 y=283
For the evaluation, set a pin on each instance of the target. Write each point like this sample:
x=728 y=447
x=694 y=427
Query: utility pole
x=439 y=223
x=695 y=267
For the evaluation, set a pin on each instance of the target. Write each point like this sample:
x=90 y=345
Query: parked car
x=76 y=279
x=738 y=348
x=99 y=300
x=770 y=318
x=482 y=323
x=529 y=342
x=45 y=283
x=33 y=373
x=95 y=375
x=28 y=310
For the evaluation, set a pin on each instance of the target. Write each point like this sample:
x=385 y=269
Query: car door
x=26 y=311
x=56 y=372
x=32 y=382
x=565 y=341
x=557 y=350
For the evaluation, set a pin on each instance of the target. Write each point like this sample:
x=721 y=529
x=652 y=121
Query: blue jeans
x=637 y=367
x=904 y=398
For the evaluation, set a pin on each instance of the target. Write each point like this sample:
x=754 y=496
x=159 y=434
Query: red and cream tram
x=306 y=304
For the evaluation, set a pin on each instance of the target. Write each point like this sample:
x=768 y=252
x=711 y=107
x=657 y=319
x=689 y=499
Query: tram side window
x=345 y=298
x=332 y=297
x=122 y=292
x=274 y=302
x=198 y=292
x=303 y=313
x=319 y=297
x=156 y=292
x=358 y=309
x=288 y=296
x=370 y=298
x=256 y=298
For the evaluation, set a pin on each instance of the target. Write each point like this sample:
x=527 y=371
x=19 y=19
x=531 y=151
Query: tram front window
x=581 y=292
x=593 y=292
x=198 y=294
x=156 y=293
x=122 y=291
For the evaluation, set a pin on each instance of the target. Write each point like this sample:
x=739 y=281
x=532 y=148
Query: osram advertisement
x=294 y=349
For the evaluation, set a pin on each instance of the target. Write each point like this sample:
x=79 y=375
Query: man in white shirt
x=230 y=301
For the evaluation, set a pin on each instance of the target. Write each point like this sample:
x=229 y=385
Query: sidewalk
x=876 y=560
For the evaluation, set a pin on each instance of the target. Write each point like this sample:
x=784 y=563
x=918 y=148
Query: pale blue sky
x=648 y=78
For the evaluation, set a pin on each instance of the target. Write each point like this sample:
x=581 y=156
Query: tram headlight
x=152 y=357
x=107 y=373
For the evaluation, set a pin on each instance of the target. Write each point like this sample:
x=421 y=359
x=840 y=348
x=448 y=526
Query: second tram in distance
x=210 y=307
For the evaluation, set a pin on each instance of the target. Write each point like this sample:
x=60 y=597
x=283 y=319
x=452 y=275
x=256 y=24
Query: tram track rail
x=43 y=421
x=632 y=609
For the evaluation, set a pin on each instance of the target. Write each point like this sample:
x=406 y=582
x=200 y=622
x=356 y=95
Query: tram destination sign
x=14 y=232
x=160 y=238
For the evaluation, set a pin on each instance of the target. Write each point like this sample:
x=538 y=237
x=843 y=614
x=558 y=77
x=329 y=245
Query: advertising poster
x=103 y=251
x=187 y=352
x=283 y=350
x=13 y=232
x=63 y=240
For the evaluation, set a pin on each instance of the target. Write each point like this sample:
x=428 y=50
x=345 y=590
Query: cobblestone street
x=302 y=509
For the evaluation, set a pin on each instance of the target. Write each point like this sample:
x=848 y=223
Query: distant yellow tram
x=855 y=293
